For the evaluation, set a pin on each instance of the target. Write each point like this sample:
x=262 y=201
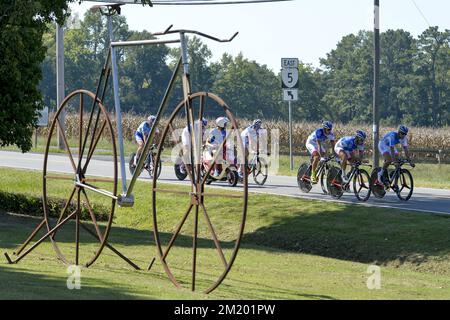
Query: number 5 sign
x=289 y=77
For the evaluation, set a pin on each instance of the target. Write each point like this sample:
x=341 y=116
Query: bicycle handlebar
x=401 y=162
x=169 y=31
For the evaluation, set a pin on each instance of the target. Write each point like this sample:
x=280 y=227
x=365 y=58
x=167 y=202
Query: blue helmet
x=204 y=122
x=327 y=125
x=361 y=134
x=403 y=129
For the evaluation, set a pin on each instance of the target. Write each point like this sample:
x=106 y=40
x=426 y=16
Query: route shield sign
x=289 y=78
x=290 y=94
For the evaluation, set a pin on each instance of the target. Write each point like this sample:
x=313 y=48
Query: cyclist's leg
x=140 y=144
x=314 y=151
x=384 y=150
x=242 y=168
x=344 y=156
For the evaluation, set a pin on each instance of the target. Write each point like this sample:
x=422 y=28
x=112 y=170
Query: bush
x=33 y=206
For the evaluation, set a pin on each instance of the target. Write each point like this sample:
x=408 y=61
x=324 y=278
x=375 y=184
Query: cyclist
x=387 y=148
x=141 y=135
x=186 y=141
x=316 y=145
x=215 y=139
x=249 y=134
x=345 y=148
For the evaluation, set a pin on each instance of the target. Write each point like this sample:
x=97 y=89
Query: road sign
x=43 y=118
x=289 y=63
x=289 y=78
x=290 y=94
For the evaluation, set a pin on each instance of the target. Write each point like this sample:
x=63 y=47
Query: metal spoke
x=224 y=195
x=80 y=154
x=93 y=146
x=92 y=214
x=218 y=152
x=194 y=248
x=175 y=139
x=86 y=180
x=186 y=193
x=77 y=229
x=214 y=235
x=177 y=231
x=68 y=178
x=63 y=211
x=67 y=145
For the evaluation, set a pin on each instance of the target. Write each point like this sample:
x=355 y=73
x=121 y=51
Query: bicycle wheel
x=379 y=191
x=405 y=185
x=151 y=168
x=323 y=180
x=232 y=178
x=334 y=182
x=180 y=170
x=260 y=171
x=361 y=185
x=198 y=236
x=76 y=190
x=131 y=165
x=304 y=177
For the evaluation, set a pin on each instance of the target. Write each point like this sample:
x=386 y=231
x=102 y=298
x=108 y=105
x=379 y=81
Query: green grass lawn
x=291 y=249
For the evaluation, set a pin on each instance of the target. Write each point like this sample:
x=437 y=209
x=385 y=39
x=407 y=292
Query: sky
x=302 y=29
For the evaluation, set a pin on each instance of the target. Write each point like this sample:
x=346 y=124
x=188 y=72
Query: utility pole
x=376 y=83
x=60 y=81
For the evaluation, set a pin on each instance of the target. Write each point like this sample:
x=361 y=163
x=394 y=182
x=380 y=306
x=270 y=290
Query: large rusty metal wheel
x=93 y=135
x=199 y=236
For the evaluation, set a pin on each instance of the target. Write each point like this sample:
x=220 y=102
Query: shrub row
x=33 y=206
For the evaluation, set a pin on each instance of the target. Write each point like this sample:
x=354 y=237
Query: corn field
x=419 y=137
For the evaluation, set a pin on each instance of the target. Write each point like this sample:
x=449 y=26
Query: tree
x=397 y=69
x=433 y=64
x=22 y=25
x=349 y=78
x=145 y=75
x=250 y=89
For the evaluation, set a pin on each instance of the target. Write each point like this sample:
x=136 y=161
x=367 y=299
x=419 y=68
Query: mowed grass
x=291 y=249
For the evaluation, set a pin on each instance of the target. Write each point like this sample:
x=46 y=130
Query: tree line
x=414 y=85
x=415 y=73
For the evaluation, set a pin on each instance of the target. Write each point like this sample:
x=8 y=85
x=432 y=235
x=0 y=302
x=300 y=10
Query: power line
x=421 y=13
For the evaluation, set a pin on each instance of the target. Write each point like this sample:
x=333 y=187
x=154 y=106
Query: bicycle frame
x=126 y=198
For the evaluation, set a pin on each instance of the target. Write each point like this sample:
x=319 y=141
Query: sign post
x=289 y=84
x=41 y=122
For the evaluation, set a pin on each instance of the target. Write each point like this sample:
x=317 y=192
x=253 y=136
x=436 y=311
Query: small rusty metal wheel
x=76 y=199
x=198 y=235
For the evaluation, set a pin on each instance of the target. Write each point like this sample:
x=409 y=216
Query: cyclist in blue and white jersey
x=249 y=134
x=141 y=135
x=316 y=145
x=387 y=148
x=346 y=148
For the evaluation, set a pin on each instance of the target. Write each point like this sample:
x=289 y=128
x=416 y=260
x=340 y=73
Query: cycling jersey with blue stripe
x=143 y=130
x=319 y=135
x=391 y=139
x=349 y=144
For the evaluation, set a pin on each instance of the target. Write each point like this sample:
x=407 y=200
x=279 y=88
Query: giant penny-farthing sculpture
x=213 y=232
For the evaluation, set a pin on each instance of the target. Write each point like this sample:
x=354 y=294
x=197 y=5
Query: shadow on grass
x=353 y=233
x=25 y=284
x=356 y=233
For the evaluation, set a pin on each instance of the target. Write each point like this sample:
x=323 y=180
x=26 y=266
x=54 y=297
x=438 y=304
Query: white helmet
x=222 y=121
x=151 y=119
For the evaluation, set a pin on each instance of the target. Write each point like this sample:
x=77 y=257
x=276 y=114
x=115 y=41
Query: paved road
x=423 y=199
